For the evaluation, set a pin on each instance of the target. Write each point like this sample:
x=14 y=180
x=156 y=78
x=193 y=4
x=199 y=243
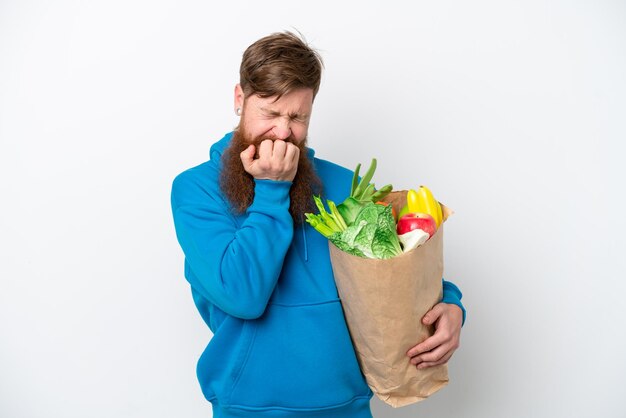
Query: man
x=260 y=276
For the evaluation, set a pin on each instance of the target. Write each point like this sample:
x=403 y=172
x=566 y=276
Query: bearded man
x=260 y=276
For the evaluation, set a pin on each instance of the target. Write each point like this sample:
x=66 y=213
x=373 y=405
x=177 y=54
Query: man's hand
x=277 y=160
x=438 y=348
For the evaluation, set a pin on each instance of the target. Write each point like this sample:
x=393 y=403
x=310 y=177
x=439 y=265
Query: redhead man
x=260 y=276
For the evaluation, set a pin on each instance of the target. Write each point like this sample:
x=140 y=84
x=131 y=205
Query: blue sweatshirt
x=265 y=288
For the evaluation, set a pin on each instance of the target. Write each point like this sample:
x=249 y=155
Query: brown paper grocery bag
x=384 y=302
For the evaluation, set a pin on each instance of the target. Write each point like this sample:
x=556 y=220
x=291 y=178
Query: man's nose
x=282 y=128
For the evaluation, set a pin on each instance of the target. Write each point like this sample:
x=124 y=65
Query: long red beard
x=238 y=185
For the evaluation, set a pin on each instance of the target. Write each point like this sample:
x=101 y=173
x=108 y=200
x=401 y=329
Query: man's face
x=287 y=118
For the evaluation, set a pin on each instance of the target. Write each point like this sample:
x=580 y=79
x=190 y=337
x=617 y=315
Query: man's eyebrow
x=269 y=111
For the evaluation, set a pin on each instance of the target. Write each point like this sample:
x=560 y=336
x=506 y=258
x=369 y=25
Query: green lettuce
x=372 y=234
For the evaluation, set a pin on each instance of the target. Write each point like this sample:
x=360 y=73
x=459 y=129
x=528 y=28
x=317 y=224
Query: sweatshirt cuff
x=270 y=196
x=453 y=295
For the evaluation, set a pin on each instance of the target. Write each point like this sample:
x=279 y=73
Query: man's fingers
x=292 y=154
x=247 y=156
x=438 y=348
x=443 y=360
x=431 y=356
x=432 y=315
x=280 y=148
x=266 y=149
x=427 y=345
x=275 y=160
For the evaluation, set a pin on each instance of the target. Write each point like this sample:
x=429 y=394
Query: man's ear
x=239 y=97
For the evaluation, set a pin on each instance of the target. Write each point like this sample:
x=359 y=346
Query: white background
x=511 y=111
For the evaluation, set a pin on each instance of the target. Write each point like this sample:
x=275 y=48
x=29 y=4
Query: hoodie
x=265 y=288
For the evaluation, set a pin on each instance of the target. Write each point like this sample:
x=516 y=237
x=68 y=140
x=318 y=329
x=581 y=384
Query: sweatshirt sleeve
x=234 y=267
x=452 y=294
